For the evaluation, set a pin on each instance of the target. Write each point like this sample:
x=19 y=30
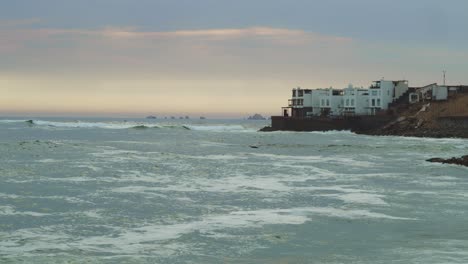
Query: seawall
x=359 y=124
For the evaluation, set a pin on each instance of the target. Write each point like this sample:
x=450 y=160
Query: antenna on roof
x=444 y=71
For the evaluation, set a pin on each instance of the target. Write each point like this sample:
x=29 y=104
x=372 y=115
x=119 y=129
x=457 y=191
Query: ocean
x=77 y=190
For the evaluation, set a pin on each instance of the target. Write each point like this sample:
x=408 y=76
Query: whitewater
x=77 y=190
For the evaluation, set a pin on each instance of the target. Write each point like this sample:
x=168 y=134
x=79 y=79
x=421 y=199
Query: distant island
x=256 y=117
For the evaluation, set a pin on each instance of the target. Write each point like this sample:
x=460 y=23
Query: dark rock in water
x=267 y=129
x=253 y=146
x=256 y=117
x=30 y=122
x=463 y=161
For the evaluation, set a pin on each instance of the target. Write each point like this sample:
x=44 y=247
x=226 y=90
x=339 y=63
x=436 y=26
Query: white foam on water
x=48 y=161
x=347 y=213
x=10 y=196
x=334 y=132
x=329 y=132
x=90 y=124
x=28 y=242
x=220 y=128
x=220 y=225
x=244 y=183
x=80 y=124
x=360 y=198
x=88 y=166
x=93 y=214
x=337 y=159
x=234 y=184
x=54 y=197
x=218 y=157
x=215 y=144
x=10 y=210
x=119 y=155
x=8 y=121
x=135 y=142
x=140 y=190
x=132 y=240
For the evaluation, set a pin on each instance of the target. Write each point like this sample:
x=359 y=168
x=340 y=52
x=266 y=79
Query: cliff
x=430 y=119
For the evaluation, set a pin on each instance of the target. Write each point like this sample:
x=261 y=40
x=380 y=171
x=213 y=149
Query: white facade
x=348 y=101
x=330 y=101
x=439 y=93
x=355 y=101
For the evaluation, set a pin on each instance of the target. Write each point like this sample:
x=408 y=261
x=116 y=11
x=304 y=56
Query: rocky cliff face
x=431 y=119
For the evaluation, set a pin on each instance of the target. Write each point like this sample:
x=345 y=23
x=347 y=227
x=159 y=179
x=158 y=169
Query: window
x=300 y=93
x=328 y=102
x=352 y=102
x=323 y=102
x=374 y=93
x=378 y=102
x=347 y=102
x=373 y=102
x=294 y=93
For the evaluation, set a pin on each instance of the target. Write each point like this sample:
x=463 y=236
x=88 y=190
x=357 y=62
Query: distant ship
x=151 y=117
x=202 y=117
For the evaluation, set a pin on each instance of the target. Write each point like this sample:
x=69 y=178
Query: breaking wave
x=133 y=125
x=220 y=128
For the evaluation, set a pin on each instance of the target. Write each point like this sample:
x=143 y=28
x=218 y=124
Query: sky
x=216 y=58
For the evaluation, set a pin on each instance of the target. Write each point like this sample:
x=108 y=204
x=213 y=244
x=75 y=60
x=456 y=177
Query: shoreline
x=421 y=134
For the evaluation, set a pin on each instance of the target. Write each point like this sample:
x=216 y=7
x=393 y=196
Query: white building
x=347 y=101
x=355 y=101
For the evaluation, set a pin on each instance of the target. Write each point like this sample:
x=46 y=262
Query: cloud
x=12 y=33
x=213 y=52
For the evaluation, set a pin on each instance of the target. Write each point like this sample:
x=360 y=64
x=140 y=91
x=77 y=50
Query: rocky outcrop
x=267 y=129
x=463 y=161
x=256 y=117
x=431 y=119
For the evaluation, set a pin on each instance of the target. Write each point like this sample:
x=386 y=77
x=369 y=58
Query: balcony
x=295 y=102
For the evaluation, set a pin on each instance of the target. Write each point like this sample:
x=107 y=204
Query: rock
x=256 y=117
x=253 y=146
x=463 y=161
x=267 y=129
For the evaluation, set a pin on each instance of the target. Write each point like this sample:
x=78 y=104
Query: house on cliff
x=350 y=101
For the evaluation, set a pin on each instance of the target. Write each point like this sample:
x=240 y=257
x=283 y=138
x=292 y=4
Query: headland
x=385 y=108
